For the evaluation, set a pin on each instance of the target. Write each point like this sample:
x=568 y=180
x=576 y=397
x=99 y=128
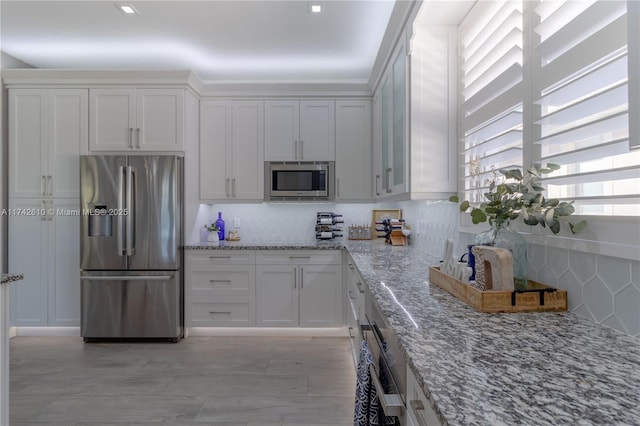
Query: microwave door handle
x=121 y=205
x=301 y=149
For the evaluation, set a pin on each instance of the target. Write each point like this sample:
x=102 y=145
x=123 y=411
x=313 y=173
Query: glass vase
x=501 y=236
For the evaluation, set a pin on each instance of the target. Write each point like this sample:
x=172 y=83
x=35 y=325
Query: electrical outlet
x=236 y=222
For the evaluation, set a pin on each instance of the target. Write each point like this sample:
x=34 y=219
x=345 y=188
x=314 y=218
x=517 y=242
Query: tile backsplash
x=602 y=288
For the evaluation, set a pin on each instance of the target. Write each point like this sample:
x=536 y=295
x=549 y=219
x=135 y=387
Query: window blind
x=581 y=86
x=491 y=51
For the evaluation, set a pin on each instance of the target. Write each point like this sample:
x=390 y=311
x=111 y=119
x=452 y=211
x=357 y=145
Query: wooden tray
x=536 y=298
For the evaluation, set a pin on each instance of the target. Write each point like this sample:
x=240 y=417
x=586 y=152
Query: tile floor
x=216 y=381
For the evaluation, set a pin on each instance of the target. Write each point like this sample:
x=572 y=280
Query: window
x=492 y=93
x=581 y=88
x=559 y=93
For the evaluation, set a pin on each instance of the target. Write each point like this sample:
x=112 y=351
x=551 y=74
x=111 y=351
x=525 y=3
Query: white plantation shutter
x=581 y=86
x=492 y=93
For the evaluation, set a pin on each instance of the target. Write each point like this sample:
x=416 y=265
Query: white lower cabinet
x=220 y=289
x=44 y=244
x=354 y=304
x=299 y=288
x=267 y=288
x=419 y=410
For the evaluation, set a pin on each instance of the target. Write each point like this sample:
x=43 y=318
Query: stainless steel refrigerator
x=131 y=247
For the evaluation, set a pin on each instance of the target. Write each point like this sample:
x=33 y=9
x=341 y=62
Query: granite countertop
x=269 y=245
x=501 y=369
x=9 y=278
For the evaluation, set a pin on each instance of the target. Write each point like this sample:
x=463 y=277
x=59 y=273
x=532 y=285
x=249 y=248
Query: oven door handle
x=392 y=404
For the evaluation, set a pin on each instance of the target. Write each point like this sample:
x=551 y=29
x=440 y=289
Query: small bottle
x=220 y=223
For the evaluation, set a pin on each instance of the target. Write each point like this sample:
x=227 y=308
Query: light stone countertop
x=501 y=369
x=269 y=245
x=9 y=278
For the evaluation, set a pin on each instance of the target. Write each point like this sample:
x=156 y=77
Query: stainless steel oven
x=299 y=181
x=389 y=369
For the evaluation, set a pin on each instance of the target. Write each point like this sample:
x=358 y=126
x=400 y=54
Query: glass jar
x=501 y=236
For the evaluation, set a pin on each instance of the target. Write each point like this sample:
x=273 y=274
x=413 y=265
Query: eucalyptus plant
x=521 y=194
x=212 y=228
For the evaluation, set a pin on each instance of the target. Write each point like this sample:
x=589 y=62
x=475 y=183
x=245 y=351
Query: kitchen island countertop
x=476 y=368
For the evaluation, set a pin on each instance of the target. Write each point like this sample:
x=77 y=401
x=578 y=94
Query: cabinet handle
x=220 y=312
x=138 y=136
x=220 y=281
x=131 y=137
x=295 y=150
x=50 y=216
x=351 y=295
x=338 y=187
x=295 y=278
x=233 y=187
x=377 y=184
x=42 y=185
x=351 y=266
x=219 y=257
x=301 y=278
x=49 y=185
x=389 y=180
x=301 y=149
x=359 y=285
x=43 y=209
x=418 y=408
x=226 y=187
x=351 y=333
x=299 y=257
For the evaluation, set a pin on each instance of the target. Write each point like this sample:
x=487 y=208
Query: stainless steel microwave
x=299 y=181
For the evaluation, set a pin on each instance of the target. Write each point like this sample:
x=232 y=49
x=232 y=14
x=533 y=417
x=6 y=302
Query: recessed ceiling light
x=127 y=9
x=315 y=8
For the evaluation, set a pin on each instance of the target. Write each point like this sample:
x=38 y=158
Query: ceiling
x=239 y=40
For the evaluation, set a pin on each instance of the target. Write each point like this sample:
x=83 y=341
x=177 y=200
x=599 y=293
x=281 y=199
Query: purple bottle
x=220 y=224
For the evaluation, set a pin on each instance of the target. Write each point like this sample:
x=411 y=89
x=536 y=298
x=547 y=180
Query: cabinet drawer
x=221 y=281
x=419 y=409
x=221 y=257
x=299 y=257
x=221 y=312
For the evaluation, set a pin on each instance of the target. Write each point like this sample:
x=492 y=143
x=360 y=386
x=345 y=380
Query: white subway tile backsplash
x=598 y=299
x=583 y=265
x=627 y=309
x=558 y=260
x=616 y=273
x=569 y=282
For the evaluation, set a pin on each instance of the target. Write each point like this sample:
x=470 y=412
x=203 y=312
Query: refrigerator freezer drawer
x=131 y=305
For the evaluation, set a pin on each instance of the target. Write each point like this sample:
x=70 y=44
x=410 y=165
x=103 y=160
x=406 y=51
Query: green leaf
x=550 y=203
x=565 y=209
x=454 y=199
x=577 y=227
x=554 y=225
x=531 y=220
x=553 y=166
x=478 y=216
x=464 y=206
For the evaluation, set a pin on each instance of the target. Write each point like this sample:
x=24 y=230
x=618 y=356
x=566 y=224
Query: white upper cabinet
x=390 y=123
x=231 y=150
x=136 y=119
x=300 y=130
x=414 y=118
x=48 y=128
x=353 y=150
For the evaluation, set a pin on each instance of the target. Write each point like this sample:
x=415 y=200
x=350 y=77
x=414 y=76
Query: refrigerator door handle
x=126 y=278
x=121 y=206
x=130 y=209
